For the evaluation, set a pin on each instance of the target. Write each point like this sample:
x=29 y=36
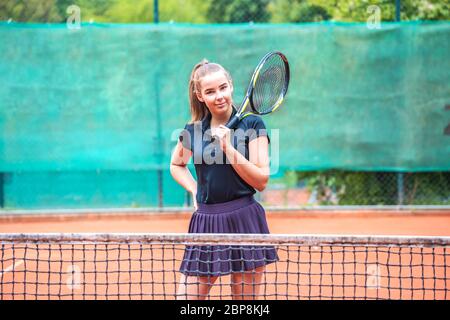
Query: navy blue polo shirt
x=217 y=181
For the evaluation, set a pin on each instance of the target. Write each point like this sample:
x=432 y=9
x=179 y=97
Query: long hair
x=199 y=110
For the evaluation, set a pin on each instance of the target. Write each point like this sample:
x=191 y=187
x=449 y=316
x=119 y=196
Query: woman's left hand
x=223 y=134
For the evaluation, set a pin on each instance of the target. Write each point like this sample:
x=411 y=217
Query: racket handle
x=233 y=122
x=230 y=125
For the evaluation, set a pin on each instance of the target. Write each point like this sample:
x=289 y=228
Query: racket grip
x=233 y=122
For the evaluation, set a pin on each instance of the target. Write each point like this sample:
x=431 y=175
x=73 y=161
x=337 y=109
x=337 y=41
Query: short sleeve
x=185 y=137
x=256 y=128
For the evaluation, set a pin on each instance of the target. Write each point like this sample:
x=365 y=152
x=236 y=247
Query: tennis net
x=147 y=266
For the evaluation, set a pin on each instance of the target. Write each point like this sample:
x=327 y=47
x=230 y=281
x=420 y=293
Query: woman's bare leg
x=194 y=288
x=246 y=285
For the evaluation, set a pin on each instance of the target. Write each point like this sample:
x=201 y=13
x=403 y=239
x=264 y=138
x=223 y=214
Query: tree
x=124 y=11
x=232 y=11
x=297 y=11
x=221 y=11
x=310 y=13
x=193 y=11
x=357 y=10
x=425 y=10
x=30 y=11
x=55 y=11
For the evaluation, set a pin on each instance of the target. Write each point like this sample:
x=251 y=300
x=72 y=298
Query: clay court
x=122 y=270
x=369 y=222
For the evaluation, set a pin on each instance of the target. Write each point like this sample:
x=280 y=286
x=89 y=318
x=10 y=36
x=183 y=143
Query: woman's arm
x=180 y=172
x=254 y=171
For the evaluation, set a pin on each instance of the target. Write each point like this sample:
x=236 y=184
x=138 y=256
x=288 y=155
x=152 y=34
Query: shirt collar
x=206 y=122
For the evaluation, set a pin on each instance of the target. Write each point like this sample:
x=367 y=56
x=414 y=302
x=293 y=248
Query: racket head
x=269 y=83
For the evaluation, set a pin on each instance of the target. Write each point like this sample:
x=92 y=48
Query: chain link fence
x=348 y=188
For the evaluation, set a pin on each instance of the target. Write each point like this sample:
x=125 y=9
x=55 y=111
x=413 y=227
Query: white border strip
x=222 y=239
x=11 y=267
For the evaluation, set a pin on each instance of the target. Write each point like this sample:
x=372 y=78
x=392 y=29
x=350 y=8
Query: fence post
x=158 y=120
x=155 y=11
x=400 y=189
x=397 y=10
x=159 y=141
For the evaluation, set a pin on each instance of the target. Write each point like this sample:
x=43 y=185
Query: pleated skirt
x=243 y=215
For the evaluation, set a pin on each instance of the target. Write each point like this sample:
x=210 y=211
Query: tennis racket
x=267 y=89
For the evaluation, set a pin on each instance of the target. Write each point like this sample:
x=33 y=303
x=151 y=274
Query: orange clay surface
x=433 y=223
x=144 y=272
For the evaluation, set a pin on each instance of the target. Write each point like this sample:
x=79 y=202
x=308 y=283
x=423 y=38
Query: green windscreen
x=110 y=96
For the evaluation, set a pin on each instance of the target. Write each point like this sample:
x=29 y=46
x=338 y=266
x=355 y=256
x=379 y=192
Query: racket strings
x=270 y=85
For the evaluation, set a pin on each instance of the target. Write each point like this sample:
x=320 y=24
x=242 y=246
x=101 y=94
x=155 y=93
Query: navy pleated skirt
x=243 y=215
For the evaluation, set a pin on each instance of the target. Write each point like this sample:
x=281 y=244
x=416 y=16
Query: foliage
x=297 y=11
x=123 y=11
x=358 y=10
x=238 y=11
x=377 y=188
x=192 y=11
x=425 y=10
x=30 y=11
x=53 y=11
x=426 y=188
x=201 y=11
x=324 y=184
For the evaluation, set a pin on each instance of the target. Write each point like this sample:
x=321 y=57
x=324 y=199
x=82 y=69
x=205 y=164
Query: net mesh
x=146 y=266
x=270 y=85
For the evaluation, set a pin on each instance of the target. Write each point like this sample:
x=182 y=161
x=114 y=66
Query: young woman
x=229 y=167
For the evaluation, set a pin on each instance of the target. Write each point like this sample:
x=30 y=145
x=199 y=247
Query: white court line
x=12 y=267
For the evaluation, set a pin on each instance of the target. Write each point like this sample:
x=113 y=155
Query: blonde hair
x=199 y=110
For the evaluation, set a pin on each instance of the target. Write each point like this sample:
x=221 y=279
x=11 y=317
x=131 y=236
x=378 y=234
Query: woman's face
x=216 y=92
